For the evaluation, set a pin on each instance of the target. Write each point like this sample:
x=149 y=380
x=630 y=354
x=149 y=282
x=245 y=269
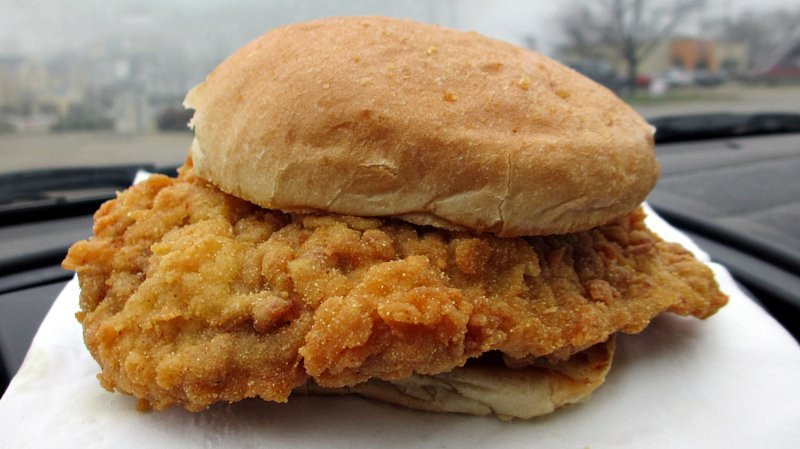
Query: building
x=23 y=82
x=690 y=56
x=704 y=55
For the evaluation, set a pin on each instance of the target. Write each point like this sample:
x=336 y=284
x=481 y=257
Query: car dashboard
x=736 y=197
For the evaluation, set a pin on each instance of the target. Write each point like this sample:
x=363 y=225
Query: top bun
x=373 y=116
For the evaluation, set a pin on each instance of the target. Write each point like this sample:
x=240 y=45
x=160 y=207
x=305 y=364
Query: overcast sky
x=39 y=27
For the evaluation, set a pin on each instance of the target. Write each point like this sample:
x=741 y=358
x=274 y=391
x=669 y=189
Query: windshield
x=96 y=83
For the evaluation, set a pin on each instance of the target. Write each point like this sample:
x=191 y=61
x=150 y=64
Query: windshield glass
x=95 y=83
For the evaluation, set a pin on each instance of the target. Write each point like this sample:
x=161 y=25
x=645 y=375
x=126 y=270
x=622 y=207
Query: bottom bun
x=484 y=389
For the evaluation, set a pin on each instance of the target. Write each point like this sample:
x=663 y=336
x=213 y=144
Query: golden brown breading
x=191 y=296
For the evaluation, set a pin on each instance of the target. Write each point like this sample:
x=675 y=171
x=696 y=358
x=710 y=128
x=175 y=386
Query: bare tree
x=762 y=32
x=631 y=29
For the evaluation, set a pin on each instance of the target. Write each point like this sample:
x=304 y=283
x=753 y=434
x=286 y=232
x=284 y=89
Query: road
x=725 y=99
x=82 y=149
x=19 y=151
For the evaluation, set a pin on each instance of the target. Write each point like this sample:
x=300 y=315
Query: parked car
x=677 y=77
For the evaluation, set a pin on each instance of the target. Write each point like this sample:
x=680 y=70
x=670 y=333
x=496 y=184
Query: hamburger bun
x=373 y=116
x=521 y=392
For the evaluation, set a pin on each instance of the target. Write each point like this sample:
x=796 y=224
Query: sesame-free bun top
x=373 y=116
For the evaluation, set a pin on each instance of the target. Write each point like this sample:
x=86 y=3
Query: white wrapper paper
x=731 y=381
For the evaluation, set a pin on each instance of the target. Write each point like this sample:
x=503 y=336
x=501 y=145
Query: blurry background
x=95 y=82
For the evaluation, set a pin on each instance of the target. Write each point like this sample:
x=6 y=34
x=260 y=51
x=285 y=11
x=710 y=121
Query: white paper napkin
x=731 y=381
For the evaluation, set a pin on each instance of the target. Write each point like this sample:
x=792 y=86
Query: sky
x=42 y=27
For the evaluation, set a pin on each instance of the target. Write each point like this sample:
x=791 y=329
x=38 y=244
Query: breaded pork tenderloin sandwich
x=375 y=206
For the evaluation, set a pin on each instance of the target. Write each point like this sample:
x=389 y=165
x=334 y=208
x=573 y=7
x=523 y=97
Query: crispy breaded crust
x=373 y=116
x=190 y=296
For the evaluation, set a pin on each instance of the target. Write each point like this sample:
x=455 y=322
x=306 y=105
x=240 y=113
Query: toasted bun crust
x=374 y=116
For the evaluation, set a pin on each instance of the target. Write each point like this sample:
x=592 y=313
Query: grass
x=684 y=95
x=727 y=92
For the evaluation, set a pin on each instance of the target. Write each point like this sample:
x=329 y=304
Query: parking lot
x=21 y=151
x=727 y=98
